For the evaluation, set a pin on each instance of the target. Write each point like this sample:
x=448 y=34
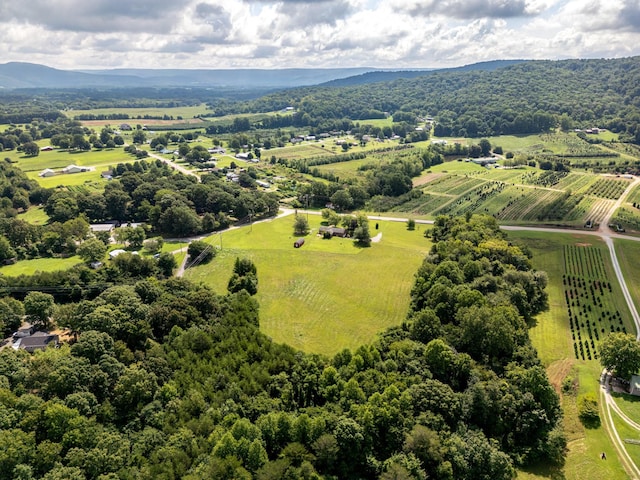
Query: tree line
x=167 y=379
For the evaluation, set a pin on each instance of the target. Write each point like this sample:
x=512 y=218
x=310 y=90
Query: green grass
x=377 y=122
x=29 y=267
x=628 y=252
x=35 y=216
x=329 y=294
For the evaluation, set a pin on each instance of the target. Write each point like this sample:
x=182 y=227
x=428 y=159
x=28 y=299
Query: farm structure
x=298 y=243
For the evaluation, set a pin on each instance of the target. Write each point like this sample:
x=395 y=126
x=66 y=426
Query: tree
x=201 y=250
x=361 y=233
x=6 y=251
x=38 y=308
x=588 y=411
x=31 y=149
x=620 y=354
x=92 y=250
x=300 y=225
x=153 y=245
x=167 y=263
x=342 y=200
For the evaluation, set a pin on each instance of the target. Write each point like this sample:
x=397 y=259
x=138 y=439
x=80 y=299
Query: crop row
x=589 y=300
x=628 y=218
x=453 y=184
x=577 y=182
x=472 y=200
x=608 y=188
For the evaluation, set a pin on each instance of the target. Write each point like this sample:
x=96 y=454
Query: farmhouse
x=333 y=231
x=47 y=172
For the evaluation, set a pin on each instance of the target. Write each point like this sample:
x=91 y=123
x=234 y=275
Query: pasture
x=138 y=114
x=328 y=294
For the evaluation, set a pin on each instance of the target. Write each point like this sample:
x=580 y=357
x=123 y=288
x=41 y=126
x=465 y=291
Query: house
x=243 y=155
x=47 y=172
x=37 y=341
x=107 y=174
x=333 y=231
x=95 y=265
x=216 y=150
x=46 y=148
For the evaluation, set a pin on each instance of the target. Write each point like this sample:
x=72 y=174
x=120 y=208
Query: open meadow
x=328 y=294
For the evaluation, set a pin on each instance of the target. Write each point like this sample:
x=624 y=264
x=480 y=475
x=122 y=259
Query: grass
x=29 y=267
x=35 y=216
x=628 y=252
x=329 y=294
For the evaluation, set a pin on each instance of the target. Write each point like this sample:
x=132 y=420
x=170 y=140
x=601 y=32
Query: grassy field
x=35 y=216
x=552 y=338
x=184 y=112
x=628 y=252
x=329 y=294
x=29 y=267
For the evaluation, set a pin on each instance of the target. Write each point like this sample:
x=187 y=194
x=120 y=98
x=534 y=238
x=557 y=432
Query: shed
x=73 y=169
x=47 y=172
x=298 y=243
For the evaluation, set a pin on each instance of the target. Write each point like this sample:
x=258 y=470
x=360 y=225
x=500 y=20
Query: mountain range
x=16 y=75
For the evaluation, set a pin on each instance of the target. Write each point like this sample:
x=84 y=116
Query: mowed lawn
x=551 y=337
x=329 y=294
x=29 y=267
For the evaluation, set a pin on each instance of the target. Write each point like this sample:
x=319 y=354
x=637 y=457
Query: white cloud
x=297 y=33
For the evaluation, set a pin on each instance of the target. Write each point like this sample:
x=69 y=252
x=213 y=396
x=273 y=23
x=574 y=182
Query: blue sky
x=82 y=34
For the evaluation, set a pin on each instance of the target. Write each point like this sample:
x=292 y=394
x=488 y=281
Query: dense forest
x=166 y=379
x=528 y=97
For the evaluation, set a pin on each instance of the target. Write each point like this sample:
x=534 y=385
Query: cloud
x=472 y=9
x=214 y=23
x=95 y=15
x=302 y=14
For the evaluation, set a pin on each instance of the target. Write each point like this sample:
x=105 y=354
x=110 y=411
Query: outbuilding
x=298 y=243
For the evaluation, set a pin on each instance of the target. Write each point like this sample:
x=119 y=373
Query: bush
x=588 y=410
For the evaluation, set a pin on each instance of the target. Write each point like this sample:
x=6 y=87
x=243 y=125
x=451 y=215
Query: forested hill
x=168 y=380
x=528 y=97
x=387 y=76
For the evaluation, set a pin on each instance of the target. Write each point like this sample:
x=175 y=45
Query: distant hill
x=387 y=76
x=28 y=75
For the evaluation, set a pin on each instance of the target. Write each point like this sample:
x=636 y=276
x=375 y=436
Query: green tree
x=38 y=308
x=31 y=149
x=92 y=250
x=620 y=354
x=300 y=225
x=361 y=233
x=6 y=251
x=342 y=200
x=167 y=263
x=201 y=250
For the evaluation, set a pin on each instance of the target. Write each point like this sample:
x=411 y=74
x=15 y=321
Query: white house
x=47 y=172
x=114 y=253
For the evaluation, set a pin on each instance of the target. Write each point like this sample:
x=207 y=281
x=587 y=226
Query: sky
x=389 y=34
